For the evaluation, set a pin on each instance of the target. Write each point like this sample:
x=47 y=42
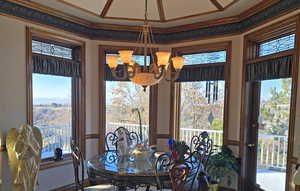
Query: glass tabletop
x=142 y=164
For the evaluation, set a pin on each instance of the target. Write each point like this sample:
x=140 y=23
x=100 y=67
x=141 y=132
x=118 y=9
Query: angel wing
x=10 y=143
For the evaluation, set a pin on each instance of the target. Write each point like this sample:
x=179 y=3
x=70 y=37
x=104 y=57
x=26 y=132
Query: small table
x=125 y=172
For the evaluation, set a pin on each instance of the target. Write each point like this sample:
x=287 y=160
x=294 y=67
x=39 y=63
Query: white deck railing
x=186 y=135
x=110 y=127
x=55 y=137
x=272 y=151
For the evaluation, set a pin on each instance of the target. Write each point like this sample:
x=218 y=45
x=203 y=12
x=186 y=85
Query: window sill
x=52 y=163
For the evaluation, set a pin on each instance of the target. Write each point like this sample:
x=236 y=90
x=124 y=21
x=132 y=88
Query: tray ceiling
x=163 y=13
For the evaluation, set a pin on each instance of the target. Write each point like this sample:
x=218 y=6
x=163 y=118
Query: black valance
x=108 y=75
x=270 y=69
x=201 y=73
x=55 y=66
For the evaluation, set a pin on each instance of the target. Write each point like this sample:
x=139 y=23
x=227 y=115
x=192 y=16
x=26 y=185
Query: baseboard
x=70 y=187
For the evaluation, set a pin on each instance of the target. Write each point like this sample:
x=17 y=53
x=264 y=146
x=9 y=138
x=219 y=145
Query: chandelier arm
x=173 y=76
x=161 y=72
x=139 y=41
x=151 y=43
x=131 y=74
x=116 y=76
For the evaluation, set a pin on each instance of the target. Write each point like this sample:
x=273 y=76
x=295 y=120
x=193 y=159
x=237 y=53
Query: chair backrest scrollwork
x=78 y=161
x=113 y=139
x=203 y=144
x=179 y=174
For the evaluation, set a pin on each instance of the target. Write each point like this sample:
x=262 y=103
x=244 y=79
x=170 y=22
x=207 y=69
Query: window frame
x=176 y=87
x=103 y=50
x=78 y=89
x=252 y=42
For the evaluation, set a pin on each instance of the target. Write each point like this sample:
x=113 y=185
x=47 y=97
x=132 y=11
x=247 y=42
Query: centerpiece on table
x=141 y=155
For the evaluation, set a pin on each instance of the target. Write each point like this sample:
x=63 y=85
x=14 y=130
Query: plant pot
x=213 y=187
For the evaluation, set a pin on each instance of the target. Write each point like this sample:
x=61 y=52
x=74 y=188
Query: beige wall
x=13 y=95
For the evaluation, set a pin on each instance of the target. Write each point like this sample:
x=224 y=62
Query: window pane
x=51 y=50
x=201 y=109
x=277 y=45
x=205 y=58
x=137 y=58
x=123 y=100
x=52 y=111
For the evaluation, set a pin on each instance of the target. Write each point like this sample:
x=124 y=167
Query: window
x=202 y=109
x=200 y=92
x=277 y=45
x=52 y=111
x=123 y=102
x=52 y=102
x=51 y=49
x=55 y=92
x=205 y=58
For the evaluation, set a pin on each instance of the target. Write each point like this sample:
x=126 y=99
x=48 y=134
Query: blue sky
x=266 y=85
x=51 y=87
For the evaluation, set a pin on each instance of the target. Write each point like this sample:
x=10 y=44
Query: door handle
x=251 y=145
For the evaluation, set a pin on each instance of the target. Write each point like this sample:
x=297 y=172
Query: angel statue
x=24 y=148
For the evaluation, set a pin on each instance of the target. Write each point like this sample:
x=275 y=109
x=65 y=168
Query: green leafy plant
x=221 y=164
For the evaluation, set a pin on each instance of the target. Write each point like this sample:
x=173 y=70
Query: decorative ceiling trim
x=104 y=26
x=217 y=4
x=161 y=11
x=280 y=8
x=235 y=1
x=75 y=7
x=106 y=8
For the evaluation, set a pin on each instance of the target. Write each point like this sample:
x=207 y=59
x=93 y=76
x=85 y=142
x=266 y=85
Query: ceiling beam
x=161 y=10
x=106 y=8
x=217 y=4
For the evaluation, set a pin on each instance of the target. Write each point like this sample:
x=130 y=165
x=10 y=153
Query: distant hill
x=48 y=101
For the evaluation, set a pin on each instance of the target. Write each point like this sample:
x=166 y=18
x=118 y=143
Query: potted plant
x=220 y=166
x=178 y=150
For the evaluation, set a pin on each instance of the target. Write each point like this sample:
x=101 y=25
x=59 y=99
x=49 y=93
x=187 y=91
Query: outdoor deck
x=271 y=180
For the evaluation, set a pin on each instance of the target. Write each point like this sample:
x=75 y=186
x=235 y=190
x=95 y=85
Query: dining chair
x=78 y=161
x=187 y=175
x=179 y=174
x=113 y=139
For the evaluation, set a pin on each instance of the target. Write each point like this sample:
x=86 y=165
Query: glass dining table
x=125 y=171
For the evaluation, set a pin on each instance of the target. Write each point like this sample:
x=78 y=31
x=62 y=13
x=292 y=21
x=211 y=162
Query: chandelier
x=146 y=75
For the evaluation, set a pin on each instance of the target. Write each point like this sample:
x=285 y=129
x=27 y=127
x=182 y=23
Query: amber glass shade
x=178 y=63
x=163 y=58
x=112 y=61
x=126 y=56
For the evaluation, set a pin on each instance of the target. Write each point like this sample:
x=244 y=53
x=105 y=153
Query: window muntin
x=122 y=100
x=202 y=109
x=277 y=45
x=52 y=111
x=51 y=49
x=205 y=58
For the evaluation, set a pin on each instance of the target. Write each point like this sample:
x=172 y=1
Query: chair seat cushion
x=103 y=187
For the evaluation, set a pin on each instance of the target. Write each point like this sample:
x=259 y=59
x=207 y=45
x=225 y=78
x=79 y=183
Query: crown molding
x=219 y=27
x=104 y=26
